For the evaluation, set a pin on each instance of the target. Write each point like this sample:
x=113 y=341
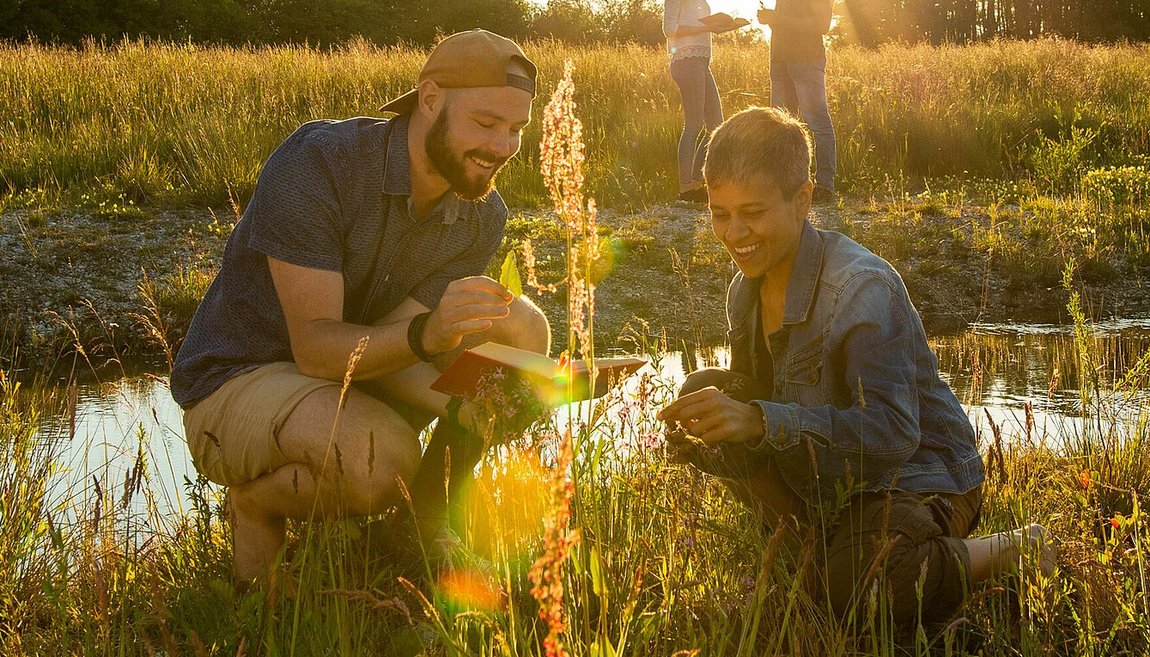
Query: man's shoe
x=697 y=195
x=823 y=195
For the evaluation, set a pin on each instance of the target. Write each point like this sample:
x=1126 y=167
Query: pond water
x=1021 y=380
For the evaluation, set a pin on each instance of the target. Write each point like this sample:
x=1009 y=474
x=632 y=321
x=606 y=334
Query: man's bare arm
x=321 y=342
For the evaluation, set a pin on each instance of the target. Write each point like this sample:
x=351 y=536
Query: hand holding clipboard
x=723 y=22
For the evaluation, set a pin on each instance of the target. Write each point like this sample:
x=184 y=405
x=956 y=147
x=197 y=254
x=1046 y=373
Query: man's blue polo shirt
x=336 y=195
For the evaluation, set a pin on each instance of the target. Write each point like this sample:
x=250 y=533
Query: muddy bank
x=99 y=287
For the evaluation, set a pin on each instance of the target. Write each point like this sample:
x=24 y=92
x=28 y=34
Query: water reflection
x=1024 y=380
x=115 y=431
x=1036 y=380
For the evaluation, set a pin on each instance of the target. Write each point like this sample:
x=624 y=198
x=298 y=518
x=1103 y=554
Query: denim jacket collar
x=804 y=276
x=801 y=288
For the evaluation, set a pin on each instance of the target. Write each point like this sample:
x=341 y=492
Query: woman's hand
x=713 y=417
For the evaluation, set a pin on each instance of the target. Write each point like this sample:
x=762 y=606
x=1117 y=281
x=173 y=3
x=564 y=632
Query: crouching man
x=364 y=231
x=832 y=414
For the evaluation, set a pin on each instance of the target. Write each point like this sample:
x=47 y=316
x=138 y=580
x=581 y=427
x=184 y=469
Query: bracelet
x=415 y=337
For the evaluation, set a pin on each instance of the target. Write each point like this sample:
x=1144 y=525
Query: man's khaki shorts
x=233 y=433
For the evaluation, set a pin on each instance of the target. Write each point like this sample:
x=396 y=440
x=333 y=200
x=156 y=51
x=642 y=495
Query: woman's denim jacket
x=857 y=402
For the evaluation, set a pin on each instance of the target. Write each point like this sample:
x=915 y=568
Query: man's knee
x=371 y=456
x=379 y=483
x=525 y=328
x=706 y=377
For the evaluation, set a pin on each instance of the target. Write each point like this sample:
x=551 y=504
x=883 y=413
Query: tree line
x=421 y=22
x=327 y=22
x=962 y=21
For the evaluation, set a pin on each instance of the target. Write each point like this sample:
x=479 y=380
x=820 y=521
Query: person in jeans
x=689 y=46
x=798 y=77
x=364 y=242
x=833 y=415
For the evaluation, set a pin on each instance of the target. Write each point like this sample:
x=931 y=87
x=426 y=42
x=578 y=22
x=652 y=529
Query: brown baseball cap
x=476 y=58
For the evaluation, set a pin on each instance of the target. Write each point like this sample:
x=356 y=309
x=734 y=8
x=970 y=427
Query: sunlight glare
x=739 y=8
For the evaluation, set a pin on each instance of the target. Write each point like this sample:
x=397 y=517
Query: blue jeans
x=701 y=109
x=801 y=88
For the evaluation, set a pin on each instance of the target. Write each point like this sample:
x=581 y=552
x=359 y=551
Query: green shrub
x=1117 y=186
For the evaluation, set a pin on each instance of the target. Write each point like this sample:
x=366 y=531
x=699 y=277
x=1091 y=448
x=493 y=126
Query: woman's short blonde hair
x=760 y=140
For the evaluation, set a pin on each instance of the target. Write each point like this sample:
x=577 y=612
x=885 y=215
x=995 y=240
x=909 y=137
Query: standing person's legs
x=810 y=86
x=690 y=75
x=783 y=88
x=712 y=117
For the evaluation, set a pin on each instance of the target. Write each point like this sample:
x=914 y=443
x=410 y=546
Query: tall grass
x=184 y=125
x=667 y=562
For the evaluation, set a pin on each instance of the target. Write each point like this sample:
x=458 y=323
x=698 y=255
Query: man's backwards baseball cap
x=476 y=58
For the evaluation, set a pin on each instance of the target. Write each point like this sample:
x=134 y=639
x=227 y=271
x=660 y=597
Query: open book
x=490 y=364
x=723 y=22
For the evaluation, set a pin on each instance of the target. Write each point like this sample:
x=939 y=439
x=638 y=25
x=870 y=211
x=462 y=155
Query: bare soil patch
x=71 y=281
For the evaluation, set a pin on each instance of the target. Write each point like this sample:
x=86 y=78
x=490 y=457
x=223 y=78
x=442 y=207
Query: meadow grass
x=665 y=562
x=668 y=562
x=182 y=125
x=1010 y=158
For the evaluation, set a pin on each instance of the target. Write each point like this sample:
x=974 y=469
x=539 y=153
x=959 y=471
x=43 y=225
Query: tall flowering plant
x=561 y=163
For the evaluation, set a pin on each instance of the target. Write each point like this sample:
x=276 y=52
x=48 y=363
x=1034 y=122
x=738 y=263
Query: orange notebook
x=490 y=361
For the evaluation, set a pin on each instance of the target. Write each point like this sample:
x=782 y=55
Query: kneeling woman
x=832 y=414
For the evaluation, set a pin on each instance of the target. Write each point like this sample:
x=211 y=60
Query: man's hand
x=766 y=16
x=469 y=305
x=714 y=417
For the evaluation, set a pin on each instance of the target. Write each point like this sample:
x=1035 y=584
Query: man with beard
x=367 y=237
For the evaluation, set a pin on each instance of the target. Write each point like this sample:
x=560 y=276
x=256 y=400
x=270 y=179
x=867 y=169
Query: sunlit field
x=190 y=126
x=644 y=557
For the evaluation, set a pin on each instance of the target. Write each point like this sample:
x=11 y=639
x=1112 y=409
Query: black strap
x=415 y=337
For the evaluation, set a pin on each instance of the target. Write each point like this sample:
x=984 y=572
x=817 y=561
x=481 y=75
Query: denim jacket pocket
x=804 y=372
x=806 y=363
